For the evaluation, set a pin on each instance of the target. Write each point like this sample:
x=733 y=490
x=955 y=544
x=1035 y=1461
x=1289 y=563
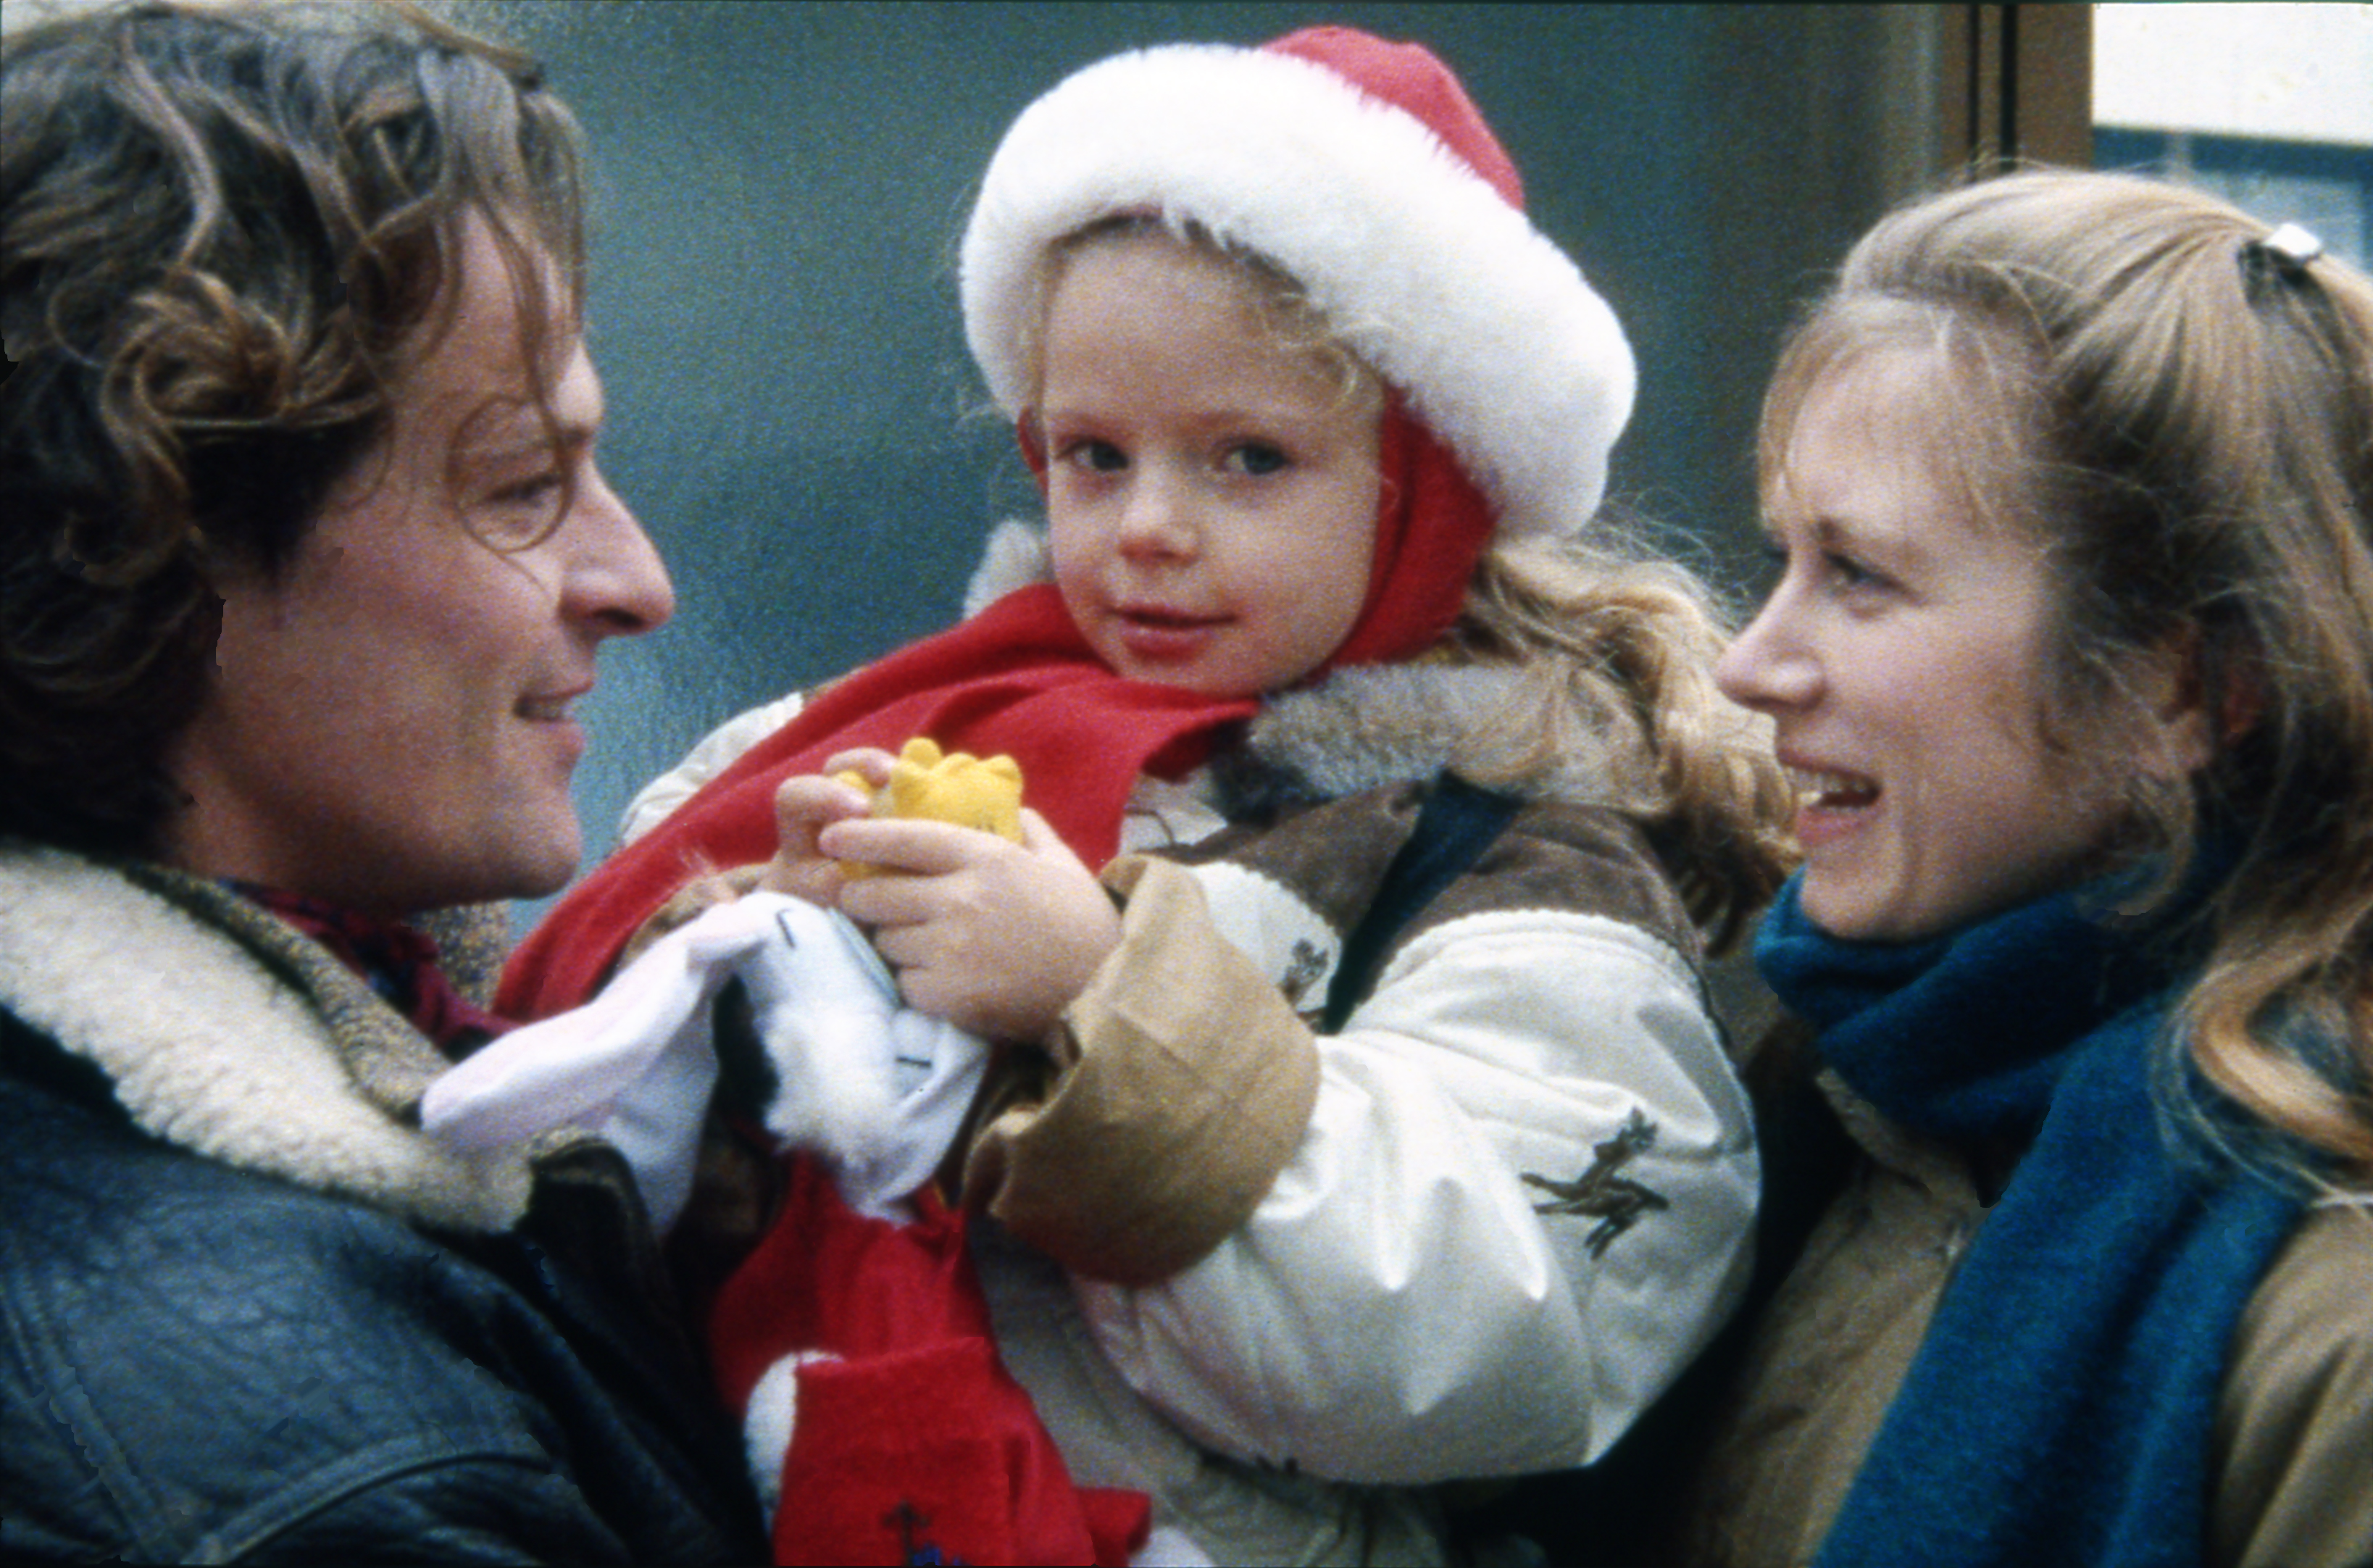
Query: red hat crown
x=1413 y=79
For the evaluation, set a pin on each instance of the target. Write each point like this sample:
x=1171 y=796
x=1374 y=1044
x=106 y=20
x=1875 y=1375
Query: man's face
x=388 y=725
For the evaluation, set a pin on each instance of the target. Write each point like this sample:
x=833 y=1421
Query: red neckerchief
x=397 y=962
x=1016 y=680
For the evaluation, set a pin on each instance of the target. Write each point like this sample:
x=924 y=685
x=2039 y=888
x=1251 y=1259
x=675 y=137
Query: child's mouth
x=1158 y=633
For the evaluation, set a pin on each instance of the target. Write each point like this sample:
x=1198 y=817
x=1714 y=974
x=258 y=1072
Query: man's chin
x=550 y=873
x=528 y=864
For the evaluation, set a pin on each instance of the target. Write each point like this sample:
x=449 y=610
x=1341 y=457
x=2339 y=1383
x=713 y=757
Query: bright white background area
x=2288 y=72
x=2267 y=105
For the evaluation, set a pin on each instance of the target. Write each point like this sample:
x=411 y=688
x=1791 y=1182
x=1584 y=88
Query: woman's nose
x=1769 y=666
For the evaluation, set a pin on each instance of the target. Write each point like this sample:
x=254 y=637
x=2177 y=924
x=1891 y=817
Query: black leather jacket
x=204 y=1364
x=249 y=1314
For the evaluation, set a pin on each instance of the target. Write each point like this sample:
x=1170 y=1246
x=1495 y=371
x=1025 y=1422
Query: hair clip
x=2287 y=250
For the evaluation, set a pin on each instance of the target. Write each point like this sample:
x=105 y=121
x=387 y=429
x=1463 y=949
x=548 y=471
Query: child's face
x=1211 y=495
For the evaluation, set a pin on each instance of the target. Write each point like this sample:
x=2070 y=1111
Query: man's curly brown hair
x=221 y=229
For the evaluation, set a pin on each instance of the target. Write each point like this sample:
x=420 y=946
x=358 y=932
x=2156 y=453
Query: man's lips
x=549 y=707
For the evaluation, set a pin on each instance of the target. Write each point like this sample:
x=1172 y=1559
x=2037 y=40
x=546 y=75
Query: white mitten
x=822 y=1000
x=636 y=1063
x=878 y=1090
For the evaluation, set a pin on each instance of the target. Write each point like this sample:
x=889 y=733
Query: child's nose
x=1159 y=519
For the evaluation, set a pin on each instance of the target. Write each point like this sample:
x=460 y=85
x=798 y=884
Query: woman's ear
x=2181 y=727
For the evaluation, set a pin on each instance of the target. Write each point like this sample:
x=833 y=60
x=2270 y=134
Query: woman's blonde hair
x=2192 y=404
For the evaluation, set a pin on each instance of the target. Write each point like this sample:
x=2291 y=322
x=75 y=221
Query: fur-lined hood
x=1373 y=725
x=229 y=1034
x=1370 y=725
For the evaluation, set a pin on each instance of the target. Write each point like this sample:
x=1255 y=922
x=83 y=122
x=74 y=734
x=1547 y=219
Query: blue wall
x=779 y=190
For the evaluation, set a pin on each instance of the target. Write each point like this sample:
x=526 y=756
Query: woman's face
x=1901 y=657
x=389 y=725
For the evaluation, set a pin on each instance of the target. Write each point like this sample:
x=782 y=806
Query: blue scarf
x=2058 y=1410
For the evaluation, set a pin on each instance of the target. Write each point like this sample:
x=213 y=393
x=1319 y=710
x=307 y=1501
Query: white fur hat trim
x=1486 y=327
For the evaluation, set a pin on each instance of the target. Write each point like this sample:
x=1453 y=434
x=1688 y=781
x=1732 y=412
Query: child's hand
x=805 y=805
x=995 y=937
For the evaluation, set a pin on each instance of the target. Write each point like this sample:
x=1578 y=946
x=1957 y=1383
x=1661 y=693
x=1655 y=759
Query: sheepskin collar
x=226 y=1033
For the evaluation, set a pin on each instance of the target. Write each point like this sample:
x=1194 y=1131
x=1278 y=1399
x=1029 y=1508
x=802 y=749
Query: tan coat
x=2292 y=1455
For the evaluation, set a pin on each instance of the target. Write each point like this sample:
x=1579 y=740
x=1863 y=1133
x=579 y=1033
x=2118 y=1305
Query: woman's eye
x=1832 y=570
x=1256 y=458
x=1847 y=572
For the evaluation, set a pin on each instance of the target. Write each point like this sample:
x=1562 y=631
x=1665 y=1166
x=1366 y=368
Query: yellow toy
x=955 y=788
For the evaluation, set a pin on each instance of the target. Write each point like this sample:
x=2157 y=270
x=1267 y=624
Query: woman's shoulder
x=2295 y=1420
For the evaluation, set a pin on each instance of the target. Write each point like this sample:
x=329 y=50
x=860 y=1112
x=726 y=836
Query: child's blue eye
x=1256 y=458
x=1097 y=457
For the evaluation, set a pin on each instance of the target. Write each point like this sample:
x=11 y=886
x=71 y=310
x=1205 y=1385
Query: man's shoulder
x=205 y=1360
x=186 y=1335
x=142 y=1277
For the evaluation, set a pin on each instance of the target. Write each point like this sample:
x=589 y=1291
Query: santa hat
x=1362 y=168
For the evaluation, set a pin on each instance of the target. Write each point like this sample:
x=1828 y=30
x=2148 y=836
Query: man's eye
x=533 y=491
x=1256 y=458
x=518 y=513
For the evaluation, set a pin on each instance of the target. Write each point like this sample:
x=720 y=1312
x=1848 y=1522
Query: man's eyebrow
x=508 y=428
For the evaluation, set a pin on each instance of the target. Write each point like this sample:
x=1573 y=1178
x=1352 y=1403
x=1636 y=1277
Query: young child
x=1366 y=1127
